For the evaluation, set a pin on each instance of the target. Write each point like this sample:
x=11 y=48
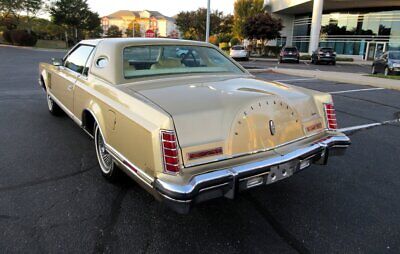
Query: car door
x=384 y=61
x=380 y=63
x=63 y=81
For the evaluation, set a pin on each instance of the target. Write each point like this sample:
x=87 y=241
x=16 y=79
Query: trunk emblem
x=272 y=127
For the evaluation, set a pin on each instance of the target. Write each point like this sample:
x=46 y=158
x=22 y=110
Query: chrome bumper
x=228 y=182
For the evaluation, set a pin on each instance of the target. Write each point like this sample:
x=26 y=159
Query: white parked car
x=239 y=52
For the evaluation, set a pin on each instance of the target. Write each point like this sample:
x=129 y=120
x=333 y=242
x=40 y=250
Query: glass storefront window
x=349 y=33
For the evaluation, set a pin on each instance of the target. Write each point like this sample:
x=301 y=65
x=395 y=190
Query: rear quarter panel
x=129 y=125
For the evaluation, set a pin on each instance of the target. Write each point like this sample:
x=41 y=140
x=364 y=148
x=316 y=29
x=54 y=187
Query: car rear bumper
x=228 y=182
x=290 y=58
x=326 y=58
x=240 y=57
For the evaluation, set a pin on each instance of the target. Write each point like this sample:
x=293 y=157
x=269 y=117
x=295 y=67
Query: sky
x=166 y=7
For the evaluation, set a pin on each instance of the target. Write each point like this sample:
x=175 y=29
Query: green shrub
x=23 y=38
x=235 y=41
x=7 y=36
x=224 y=37
x=226 y=48
x=344 y=59
x=271 y=51
x=20 y=37
x=305 y=57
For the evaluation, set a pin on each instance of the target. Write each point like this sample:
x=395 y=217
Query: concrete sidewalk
x=342 y=77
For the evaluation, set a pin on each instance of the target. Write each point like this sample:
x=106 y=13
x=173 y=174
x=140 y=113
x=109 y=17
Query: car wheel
x=108 y=168
x=54 y=109
x=334 y=63
x=387 y=71
x=373 y=70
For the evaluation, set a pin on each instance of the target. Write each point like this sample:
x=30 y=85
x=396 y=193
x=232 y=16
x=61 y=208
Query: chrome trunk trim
x=229 y=178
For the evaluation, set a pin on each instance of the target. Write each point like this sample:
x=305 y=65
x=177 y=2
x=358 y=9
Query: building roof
x=123 y=13
x=128 y=13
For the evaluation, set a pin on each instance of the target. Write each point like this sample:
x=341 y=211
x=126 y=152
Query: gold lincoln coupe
x=186 y=121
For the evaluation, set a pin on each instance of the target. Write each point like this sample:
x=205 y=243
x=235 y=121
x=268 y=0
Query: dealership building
x=362 y=29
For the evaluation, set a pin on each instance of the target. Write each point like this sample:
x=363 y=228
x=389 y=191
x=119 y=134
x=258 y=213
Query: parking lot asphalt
x=53 y=198
x=306 y=65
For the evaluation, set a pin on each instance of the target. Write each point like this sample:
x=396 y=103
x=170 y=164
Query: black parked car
x=324 y=55
x=388 y=63
x=291 y=54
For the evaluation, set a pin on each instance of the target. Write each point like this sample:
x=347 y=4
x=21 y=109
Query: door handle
x=70 y=87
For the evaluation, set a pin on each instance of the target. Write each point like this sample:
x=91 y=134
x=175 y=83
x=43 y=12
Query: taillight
x=169 y=147
x=330 y=116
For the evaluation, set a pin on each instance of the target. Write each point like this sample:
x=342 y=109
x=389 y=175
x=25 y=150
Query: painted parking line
x=368 y=126
x=296 y=79
x=357 y=90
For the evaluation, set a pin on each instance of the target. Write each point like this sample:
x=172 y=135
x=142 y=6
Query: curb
x=341 y=77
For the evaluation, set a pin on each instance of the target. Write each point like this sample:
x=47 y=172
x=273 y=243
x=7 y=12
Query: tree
x=92 y=25
x=31 y=8
x=192 y=24
x=114 y=32
x=9 y=10
x=226 y=25
x=262 y=27
x=133 y=30
x=15 y=9
x=244 y=9
x=75 y=16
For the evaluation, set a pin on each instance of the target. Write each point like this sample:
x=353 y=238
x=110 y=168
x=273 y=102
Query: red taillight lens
x=170 y=152
x=330 y=116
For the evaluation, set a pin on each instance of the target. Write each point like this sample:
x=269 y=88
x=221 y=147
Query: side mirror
x=56 y=62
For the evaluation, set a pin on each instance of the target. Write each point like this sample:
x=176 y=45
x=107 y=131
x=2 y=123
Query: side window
x=77 y=59
x=87 y=65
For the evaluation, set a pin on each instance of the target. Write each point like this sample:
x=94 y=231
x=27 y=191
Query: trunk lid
x=241 y=115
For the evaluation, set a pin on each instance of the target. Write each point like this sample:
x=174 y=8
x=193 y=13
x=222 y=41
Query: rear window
x=238 y=48
x=152 y=60
x=290 y=49
x=326 y=49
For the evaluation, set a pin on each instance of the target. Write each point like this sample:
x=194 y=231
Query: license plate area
x=282 y=171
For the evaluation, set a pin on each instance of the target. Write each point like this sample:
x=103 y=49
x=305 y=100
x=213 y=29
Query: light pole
x=208 y=21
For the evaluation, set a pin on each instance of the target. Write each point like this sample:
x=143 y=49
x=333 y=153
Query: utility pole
x=208 y=21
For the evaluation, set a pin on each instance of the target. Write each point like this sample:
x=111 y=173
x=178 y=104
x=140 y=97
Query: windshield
x=237 y=48
x=394 y=55
x=154 y=60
